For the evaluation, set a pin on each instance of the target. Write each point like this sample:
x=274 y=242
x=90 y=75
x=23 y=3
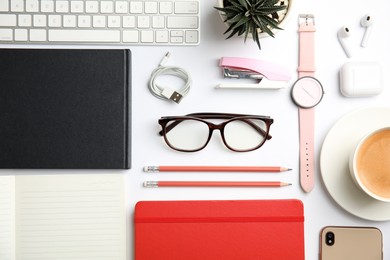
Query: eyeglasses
x=191 y=133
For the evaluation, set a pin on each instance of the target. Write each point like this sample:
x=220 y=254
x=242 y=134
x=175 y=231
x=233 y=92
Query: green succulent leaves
x=251 y=16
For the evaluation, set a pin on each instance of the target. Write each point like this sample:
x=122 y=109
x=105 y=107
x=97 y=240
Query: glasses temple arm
x=224 y=116
x=258 y=129
x=218 y=115
x=170 y=127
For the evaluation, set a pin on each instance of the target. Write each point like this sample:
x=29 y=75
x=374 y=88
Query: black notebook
x=65 y=109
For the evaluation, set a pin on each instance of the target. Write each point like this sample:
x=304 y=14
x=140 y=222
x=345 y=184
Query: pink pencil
x=154 y=184
x=215 y=169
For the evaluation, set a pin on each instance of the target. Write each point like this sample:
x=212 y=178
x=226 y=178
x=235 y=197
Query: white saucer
x=334 y=158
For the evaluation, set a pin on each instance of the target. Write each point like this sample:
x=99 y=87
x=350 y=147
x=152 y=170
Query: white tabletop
x=201 y=62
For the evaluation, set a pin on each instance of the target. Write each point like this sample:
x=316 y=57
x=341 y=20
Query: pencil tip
x=289 y=169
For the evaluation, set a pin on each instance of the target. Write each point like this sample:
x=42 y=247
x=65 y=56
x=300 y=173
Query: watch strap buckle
x=304 y=18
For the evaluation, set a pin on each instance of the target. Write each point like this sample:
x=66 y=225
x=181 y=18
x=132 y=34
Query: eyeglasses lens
x=245 y=134
x=187 y=135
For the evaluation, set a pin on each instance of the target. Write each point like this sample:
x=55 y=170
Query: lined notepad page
x=7 y=217
x=79 y=217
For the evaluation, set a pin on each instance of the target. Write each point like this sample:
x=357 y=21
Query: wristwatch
x=306 y=93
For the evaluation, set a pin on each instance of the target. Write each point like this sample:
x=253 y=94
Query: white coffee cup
x=370 y=164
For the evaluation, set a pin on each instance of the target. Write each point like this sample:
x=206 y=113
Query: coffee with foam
x=370 y=164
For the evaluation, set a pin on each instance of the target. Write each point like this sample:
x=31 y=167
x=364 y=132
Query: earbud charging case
x=361 y=79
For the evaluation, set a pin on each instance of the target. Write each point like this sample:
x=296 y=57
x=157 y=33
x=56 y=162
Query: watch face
x=307 y=92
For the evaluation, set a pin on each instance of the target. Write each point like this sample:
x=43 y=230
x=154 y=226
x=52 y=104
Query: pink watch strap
x=306 y=151
x=306 y=115
x=306 y=50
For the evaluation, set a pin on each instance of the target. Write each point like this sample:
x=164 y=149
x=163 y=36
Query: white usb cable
x=166 y=93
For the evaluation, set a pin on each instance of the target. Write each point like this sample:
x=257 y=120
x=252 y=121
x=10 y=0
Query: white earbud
x=366 y=22
x=342 y=34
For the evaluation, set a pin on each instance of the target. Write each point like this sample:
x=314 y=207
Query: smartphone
x=357 y=243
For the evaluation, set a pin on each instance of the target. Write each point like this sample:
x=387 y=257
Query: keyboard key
x=192 y=36
x=106 y=7
x=99 y=21
x=128 y=21
x=131 y=36
x=147 y=36
x=176 y=39
x=114 y=21
x=104 y=36
x=84 y=21
x=69 y=21
x=62 y=6
x=177 y=33
x=150 y=7
x=143 y=21
x=158 y=22
x=39 y=20
x=47 y=6
x=32 y=6
x=166 y=7
x=188 y=22
x=76 y=7
x=4 y=6
x=162 y=36
x=186 y=7
x=17 y=5
x=6 y=35
x=121 y=7
x=91 y=7
x=136 y=7
x=21 y=35
x=7 y=20
x=24 y=20
x=55 y=20
x=37 y=35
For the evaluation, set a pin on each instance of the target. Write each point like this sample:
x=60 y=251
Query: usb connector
x=172 y=95
x=165 y=93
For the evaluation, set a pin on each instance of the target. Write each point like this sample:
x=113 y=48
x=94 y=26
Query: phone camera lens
x=330 y=238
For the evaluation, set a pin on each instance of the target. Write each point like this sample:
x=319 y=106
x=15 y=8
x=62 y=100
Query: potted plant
x=254 y=18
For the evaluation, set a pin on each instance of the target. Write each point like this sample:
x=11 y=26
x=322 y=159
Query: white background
x=201 y=62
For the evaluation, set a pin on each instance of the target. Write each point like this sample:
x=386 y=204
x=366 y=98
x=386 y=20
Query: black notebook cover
x=65 y=109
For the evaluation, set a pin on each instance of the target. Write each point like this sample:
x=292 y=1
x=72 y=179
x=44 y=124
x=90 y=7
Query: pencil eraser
x=361 y=79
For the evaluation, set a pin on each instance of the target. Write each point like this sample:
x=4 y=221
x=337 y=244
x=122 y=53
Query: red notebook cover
x=236 y=229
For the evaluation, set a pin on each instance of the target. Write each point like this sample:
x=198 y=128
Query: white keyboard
x=131 y=22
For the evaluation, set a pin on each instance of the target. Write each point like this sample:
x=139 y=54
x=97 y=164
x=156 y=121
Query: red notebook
x=236 y=229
